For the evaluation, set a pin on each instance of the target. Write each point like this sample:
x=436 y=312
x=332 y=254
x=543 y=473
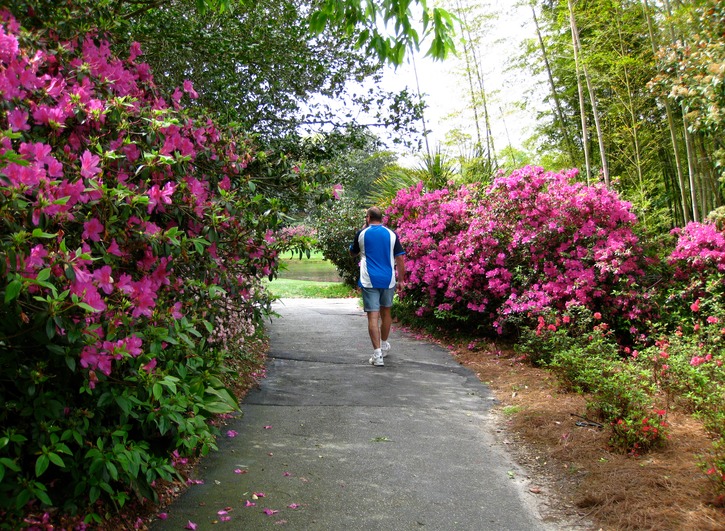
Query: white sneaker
x=376 y=359
x=385 y=347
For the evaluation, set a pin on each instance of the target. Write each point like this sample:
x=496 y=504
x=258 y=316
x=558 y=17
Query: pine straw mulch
x=581 y=483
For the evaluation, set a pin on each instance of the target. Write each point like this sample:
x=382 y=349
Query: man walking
x=380 y=254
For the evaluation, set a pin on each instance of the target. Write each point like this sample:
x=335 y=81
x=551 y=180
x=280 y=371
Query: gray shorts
x=375 y=298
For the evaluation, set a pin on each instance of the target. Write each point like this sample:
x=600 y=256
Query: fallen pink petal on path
x=250 y=504
x=231 y=433
x=270 y=512
x=190 y=525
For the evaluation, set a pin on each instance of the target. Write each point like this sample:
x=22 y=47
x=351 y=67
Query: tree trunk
x=561 y=118
x=592 y=96
x=686 y=212
x=580 y=90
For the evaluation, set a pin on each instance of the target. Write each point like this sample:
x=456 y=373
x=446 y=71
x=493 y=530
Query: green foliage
x=363 y=20
x=132 y=242
x=259 y=65
x=336 y=227
x=583 y=355
x=435 y=170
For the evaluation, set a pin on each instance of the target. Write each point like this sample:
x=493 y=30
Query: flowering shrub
x=129 y=229
x=336 y=227
x=300 y=239
x=582 y=352
x=532 y=241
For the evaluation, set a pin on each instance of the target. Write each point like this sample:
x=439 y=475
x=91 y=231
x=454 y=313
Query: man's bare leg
x=386 y=320
x=374 y=328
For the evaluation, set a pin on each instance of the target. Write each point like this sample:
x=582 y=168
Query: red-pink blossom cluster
x=531 y=242
x=115 y=197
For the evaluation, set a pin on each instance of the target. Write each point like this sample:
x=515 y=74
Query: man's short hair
x=375 y=214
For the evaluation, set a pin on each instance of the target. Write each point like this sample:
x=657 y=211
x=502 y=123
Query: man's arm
x=354 y=248
x=400 y=267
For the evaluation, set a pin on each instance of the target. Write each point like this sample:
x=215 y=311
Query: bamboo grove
x=634 y=93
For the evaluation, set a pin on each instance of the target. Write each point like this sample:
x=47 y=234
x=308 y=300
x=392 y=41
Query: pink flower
x=712 y=319
x=92 y=230
x=162 y=516
x=150 y=366
x=337 y=191
x=695 y=306
x=189 y=89
x=190 y=525
x=597 y=315
x=89 y=165
x=103 y=278
x=18 y=120
x=135 y=51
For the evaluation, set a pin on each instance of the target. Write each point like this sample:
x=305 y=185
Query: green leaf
x=157 y=391
x=87 y=307
x=12 y=291
x=41 y=465
x=38 y=233
x=56 y=459
x=42 y=495
x=9 y=463
x=218 y=407
x=112 y=470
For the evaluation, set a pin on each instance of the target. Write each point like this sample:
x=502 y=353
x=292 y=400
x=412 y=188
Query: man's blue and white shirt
x=377 y=246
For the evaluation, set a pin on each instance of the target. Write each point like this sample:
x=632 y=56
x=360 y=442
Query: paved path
x=336 y=444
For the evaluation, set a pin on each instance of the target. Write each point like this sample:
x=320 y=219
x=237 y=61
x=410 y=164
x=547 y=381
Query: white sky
x=446 y=87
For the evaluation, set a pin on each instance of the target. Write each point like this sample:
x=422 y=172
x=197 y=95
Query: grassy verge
x=314 y=268
x=305 y=289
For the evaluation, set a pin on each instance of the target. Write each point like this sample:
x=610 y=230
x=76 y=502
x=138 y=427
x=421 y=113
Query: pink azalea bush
x=129 y=230
x=531 y=242
x=686 y=356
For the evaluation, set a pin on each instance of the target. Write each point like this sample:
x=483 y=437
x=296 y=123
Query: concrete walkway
x=333 y=443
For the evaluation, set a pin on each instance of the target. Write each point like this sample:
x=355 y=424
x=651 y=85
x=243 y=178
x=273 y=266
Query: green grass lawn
x=307 y=278
x=315 y=268
x=308 y=289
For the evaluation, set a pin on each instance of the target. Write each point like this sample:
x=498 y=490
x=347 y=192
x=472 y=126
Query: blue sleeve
x=355 y=245
x=398 y=247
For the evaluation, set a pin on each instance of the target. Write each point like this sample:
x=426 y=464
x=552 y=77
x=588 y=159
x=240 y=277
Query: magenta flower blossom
x=92 y=230
x=89 y=165
x=103 y=279
x=189 y=89
x=18 y=120
x=150 y=366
